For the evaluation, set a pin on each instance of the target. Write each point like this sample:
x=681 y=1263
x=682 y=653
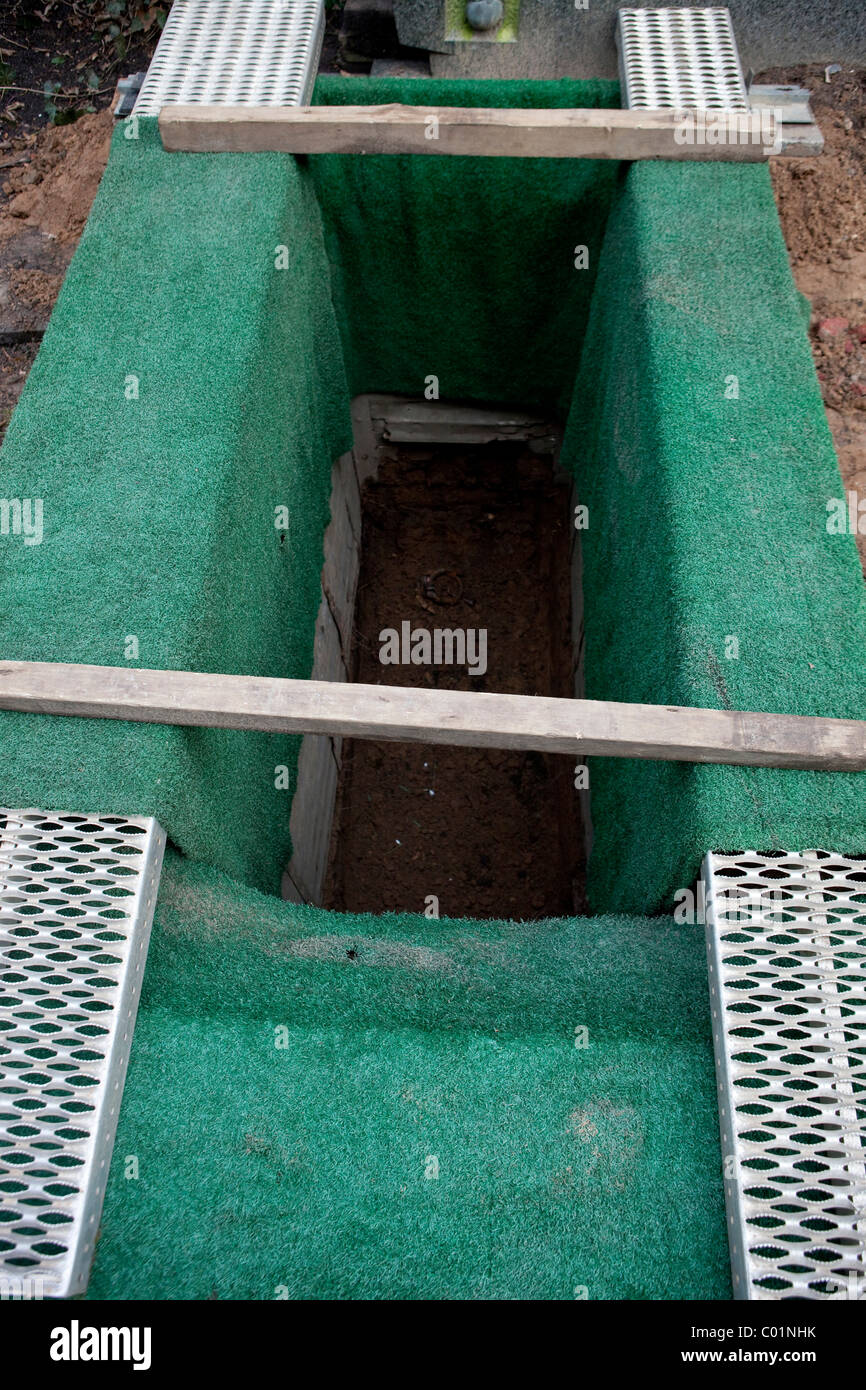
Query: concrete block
x=555 y=39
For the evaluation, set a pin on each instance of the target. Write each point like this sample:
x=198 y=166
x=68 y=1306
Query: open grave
x=503 y=1102
x=466 y=550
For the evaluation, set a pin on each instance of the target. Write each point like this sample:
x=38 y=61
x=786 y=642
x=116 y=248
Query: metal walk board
x=786 y=942
x=77 y=895
x=235 y=53
x=679 y=58
x=687 y=59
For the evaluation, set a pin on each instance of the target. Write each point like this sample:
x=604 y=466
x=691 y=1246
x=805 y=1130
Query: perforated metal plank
x=235 y=53
x=679 y=58
x=77 y=895
x=786 y=942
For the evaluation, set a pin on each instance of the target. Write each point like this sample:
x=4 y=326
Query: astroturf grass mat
x=331 y=1106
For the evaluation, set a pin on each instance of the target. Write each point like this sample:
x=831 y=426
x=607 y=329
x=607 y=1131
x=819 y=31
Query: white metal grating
x=77 y=895
x=681 y=59
x=786 y=940
x=235 y=53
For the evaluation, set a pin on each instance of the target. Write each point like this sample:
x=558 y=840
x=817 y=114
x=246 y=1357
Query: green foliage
x=51 y=90
x=127 y=21
x=59 y=115
x=115 y=25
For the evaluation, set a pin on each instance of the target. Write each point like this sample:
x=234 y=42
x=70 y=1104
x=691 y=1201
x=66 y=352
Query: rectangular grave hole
x=461 y=538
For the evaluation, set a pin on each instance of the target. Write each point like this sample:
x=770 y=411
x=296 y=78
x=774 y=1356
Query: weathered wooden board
x=312 y=816
x=443 y=130
x=480 y=720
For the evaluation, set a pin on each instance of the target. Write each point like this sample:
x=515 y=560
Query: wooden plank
x=454 y=130
x=289 y=890
x=342 y=550
x=434 y=716
x=578 y=651
x=328 y=663
x=320 y=755
x=400 y=411
x=365 y=449
x=415 y=421
x=312 y=815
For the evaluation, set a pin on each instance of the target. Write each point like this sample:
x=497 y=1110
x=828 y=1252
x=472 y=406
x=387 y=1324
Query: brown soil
x=15 y=363
x=822 y=207
x=45 y=200
x=56 y=183
x=822 y=201
x=462 y=538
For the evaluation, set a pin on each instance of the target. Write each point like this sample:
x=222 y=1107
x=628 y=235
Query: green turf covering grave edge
x=322 y=1105
x=699 y=443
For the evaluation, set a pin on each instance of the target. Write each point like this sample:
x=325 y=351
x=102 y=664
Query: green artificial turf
x=708 y=521
x=708 y=515
x=159 y=512
x=309 y=1167
x=459 y=268
x=303 y=1167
